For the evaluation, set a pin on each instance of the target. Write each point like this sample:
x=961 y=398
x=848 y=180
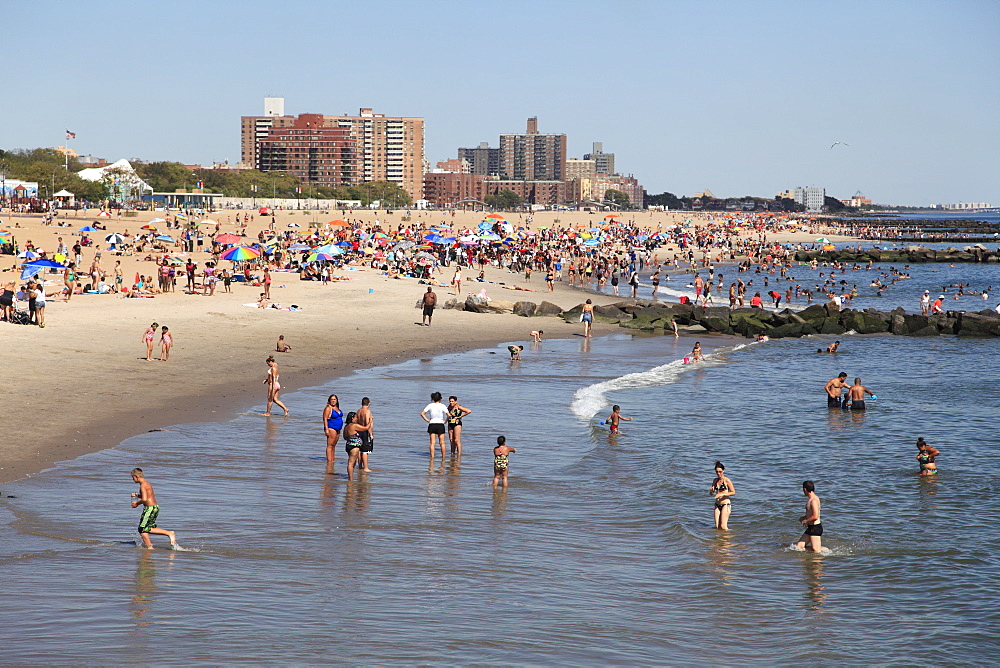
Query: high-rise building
x=385 y=148
x=482 y=160
x=604 y=162
x=312 y=150
x=532 y=156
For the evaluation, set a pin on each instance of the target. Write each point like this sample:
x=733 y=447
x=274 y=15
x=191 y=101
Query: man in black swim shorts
x=857 y=394
x=834 y=387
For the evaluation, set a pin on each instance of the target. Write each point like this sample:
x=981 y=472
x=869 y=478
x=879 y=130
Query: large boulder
x=898 y=324
x=476 y=304
x=792 y=329
x=526 y=309
x=719 y=325
x=611 y=313
x=976 y=324
x=814 y=312
x=548 y=308
x=830 y=326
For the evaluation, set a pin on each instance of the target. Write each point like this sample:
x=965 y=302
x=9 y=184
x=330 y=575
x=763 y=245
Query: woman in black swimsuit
x=455 y=415
x=722 y=489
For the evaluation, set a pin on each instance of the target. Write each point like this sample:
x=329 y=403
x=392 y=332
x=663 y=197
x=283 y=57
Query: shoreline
x=82 y=384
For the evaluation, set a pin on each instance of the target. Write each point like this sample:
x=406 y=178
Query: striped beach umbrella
x=318 y=257
x=240 y=253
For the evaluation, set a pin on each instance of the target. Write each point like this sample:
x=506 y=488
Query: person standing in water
x=147 y=521
x=333 y=424
x=587 y=317
x=615 y=418
x=435 y=415
x=273 y=386
x=857 y=394
x=501 y=464
x=926 y=455
x=352 y=434
x=455 y=415
x=834 y=387
x=366 y=424
x=722 y=489
x=811 y=520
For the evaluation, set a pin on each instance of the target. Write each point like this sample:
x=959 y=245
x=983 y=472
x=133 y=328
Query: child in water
x=515 y=352
x=615 y=418
x=500 y=464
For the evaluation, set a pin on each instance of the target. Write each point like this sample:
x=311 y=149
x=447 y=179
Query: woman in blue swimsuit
x=333 y=423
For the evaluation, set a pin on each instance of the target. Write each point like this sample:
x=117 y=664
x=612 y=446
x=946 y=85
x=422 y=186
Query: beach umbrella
x=592 y=242
x=346 y=244
x=822 y=240
x=339 y=223
x=405 y=244
x=293 y=225
x=114 y=238
x=180 y=216
x=148 y=227
x=240 y=253
x=829 y=247
x=28 y=255
x=207 y=221
x=263 y=210
x=228 y=238
x=5 y=235
x=425 y=256
x=612 y=215
x=495 y=216
x=87 y=228
x=318 y=257
x=164 y=237
x=434 y=238
x=104 y=214
x=298 y=247
x=42 y=263
x=157 y=220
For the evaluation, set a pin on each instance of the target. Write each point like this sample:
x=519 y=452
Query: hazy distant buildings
x=336 y=150
x=603 y=162
x=580 y=169
x=531 y=156
x=964 y=206
x=813 y=199
x=482 y=159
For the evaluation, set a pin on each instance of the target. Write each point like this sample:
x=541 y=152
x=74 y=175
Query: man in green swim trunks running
x=147 y=522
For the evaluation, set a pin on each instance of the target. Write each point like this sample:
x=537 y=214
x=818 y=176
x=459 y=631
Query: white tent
x=65 y=195
x=124 y=167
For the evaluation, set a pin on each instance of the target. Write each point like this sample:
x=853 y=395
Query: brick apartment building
x=349 y=149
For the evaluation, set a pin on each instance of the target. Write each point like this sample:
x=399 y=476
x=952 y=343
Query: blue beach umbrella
x=87 y=228
x=164 y=237
x=30 y=255
x=346 y=244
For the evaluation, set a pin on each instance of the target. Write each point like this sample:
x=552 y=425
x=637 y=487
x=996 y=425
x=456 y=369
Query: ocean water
x=906 y=293
x=602 y=551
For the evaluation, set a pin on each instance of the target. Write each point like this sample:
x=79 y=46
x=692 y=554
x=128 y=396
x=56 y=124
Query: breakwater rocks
x=816 y=319
x=750 y=322
x=907 y=255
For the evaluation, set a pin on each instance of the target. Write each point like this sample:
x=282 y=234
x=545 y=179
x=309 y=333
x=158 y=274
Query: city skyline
x=739 y=98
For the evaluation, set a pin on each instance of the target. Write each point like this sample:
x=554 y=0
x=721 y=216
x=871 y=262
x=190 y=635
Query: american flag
x=70 y=135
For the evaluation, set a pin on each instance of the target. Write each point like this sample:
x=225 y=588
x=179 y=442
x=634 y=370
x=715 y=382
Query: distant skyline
x=736 y=97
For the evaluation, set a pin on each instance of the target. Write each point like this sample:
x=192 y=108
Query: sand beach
x=82 y=383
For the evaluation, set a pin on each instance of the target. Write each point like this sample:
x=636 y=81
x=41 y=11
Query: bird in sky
x=838 y=142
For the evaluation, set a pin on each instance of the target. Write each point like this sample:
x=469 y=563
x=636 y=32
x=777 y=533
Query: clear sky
x=741 y=97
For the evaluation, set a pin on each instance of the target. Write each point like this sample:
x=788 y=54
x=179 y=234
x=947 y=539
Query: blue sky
x=737 y=97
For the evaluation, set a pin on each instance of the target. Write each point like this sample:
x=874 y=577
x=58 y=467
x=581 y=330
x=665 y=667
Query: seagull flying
x=838 y=142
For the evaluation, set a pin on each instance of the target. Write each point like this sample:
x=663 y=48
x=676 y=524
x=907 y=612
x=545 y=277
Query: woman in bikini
x=273 y=386
x=166 y=343
x=455 y=415
x=267 y=281
x=926 y=455
x=333 y=424
x=148 y=338
x=722 y=489
x=696 y=355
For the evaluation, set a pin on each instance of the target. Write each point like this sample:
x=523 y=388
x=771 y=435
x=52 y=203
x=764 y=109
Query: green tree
x=618 y=197
x=505 y=199
x=166 y=176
